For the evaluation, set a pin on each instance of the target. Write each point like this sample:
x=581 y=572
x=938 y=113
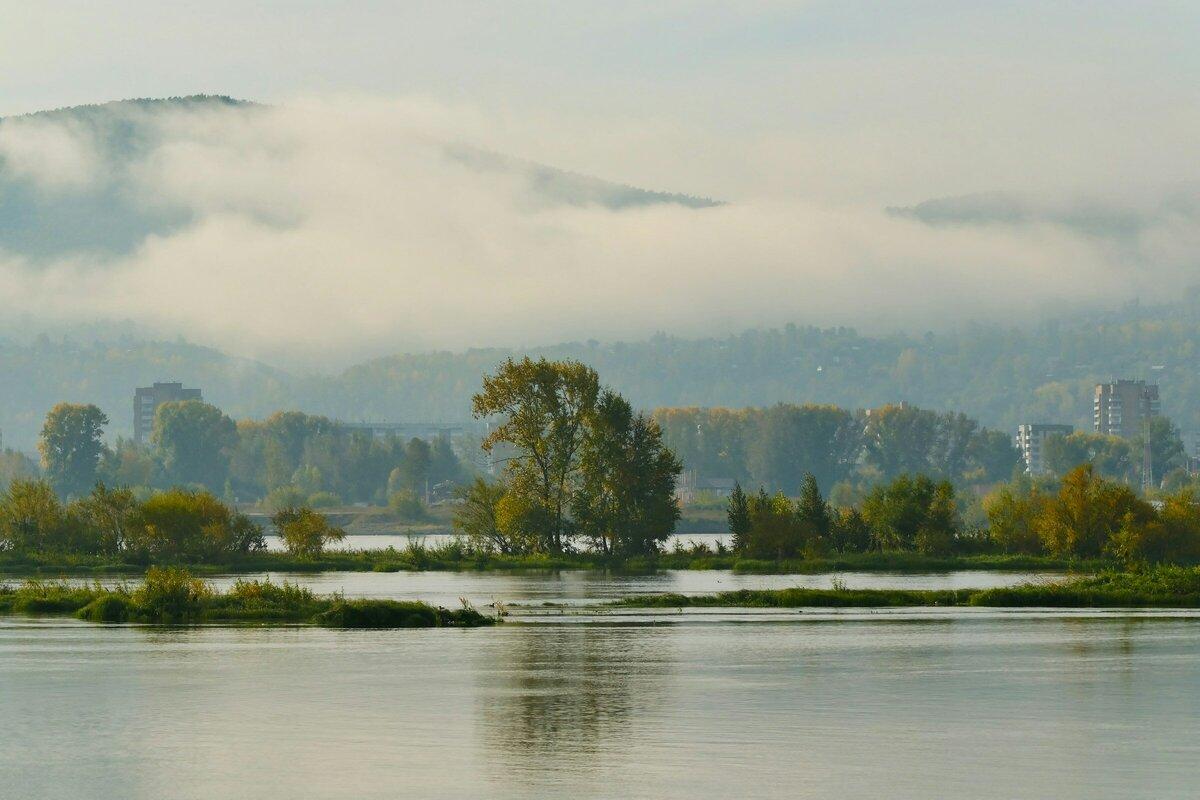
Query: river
x=713 y=704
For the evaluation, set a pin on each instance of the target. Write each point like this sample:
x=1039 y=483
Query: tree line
x=288 y=459
x=775 y=447
x=173 y=526
x=1083 y=515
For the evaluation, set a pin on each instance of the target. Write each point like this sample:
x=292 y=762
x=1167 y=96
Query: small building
x=146 y=401
x=691 y=486
x=1121 y=407
x=1031 y=437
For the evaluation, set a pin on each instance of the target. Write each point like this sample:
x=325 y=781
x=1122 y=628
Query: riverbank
x=171 y=596
x=1162 y=587
x=453 y=557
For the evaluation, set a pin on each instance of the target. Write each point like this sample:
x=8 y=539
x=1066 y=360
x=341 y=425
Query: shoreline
x=1160 y=587
x=449 y=560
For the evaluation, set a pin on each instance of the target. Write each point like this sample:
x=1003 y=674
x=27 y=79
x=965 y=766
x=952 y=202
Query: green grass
x=1161 y=587
x=453 y=556
x=799 y=598
x=173 y=596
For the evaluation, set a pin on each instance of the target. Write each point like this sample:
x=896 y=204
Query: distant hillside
x=558 y=186
x=999 y=375
x=105 y=216
x=101 y=217
x=1114 y=221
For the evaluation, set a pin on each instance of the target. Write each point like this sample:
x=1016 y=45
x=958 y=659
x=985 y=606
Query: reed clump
x=174 y=596
x=1155 y=587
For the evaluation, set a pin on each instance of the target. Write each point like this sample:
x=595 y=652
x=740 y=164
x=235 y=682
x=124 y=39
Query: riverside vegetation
x=1159 y=587
x=589 y=483
x=174 y=596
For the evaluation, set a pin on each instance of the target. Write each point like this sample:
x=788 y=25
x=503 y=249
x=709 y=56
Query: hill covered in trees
x=998 y=375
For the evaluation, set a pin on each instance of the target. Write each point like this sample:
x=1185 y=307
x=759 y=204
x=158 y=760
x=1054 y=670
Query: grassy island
x=174 y=596
x=1160 y=587
x=453 y=556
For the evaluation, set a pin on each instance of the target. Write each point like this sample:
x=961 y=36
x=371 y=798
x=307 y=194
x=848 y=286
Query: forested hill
x=1000 y=376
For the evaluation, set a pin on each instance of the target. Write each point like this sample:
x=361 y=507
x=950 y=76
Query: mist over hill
x=316 y=233
x=254 y=250
x=90 y=202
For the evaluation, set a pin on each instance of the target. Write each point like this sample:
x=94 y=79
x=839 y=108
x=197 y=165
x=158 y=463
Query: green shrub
x=107 y=608
x=282 y=497
x=171 y=595
x=407 y=506
x=324 y=500
x=396 y=614
x=378 y=614
x=305 y=532
x=50 y=597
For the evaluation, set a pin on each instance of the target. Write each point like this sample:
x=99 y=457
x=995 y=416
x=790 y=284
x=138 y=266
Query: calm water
x=896 y=705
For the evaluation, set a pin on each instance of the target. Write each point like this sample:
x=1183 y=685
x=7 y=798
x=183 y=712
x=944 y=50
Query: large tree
x=812 y=512
x=625 y=503
x=196 y=441
x=900 y=439
x=912 y=513
x=71 y=446
x=737 y=512
x=544 y=407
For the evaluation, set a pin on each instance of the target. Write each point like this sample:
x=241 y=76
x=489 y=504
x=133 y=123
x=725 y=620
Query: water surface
x=951 y=704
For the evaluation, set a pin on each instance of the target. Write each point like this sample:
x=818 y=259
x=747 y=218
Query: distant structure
x=146 y=401
x=1122 y=407
x=691 y=486
x=1031 y=437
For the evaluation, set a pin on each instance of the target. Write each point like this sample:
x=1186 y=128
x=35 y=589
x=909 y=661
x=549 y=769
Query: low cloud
x=335 y=229
x=56 y=156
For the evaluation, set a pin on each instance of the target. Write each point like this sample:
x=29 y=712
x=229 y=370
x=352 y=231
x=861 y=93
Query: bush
x=107 y=608
x=171 y=595
x=396 y=614
x=49 y=597
x=282 y=497
x=407 y=506
x=264 y=600
x=324 y=500
x=191 y=526
x=305 y=532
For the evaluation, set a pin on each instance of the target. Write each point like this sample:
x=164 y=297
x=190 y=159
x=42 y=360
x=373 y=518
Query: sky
x=331 y=226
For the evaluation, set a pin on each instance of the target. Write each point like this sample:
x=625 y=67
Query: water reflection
x=987 y=706
x=570 y=695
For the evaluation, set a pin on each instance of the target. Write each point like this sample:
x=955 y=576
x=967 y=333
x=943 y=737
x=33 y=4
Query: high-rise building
x=146 y=401
x=1120 y=407
x=1031 y=437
